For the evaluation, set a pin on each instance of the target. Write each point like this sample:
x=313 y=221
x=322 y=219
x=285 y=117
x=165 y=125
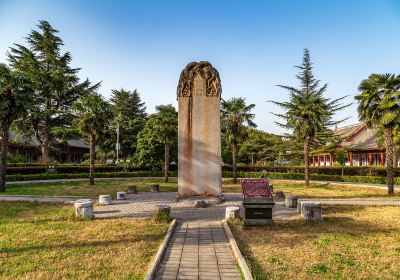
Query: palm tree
x=379 y=107
x=15 y=98
x=308 y=114
x=166 y=126
x=93 y=116
x=235 y=116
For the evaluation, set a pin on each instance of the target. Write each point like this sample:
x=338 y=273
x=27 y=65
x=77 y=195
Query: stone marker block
x=199 y=131
x=132 y=189
x=121 y=195
x=311 y=210
x=162 y=208
x=279 y=194
x=84 y=208
x=105 y=199
x=232 y=212
x=291 y=201
x=155 y=188
x=200 y=204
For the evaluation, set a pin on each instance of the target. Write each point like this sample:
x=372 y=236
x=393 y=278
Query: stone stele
x=199 y=131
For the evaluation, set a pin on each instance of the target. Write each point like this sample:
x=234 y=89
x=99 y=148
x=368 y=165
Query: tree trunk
x=3 y=155
x=306 y=162
x=342 y=170
x=234 y=162
x=396 y=152
x=92 y=148
x=166 y=162
x=44 y=147
x=389 y=159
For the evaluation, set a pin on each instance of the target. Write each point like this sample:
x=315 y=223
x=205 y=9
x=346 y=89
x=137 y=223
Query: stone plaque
x=199 y=130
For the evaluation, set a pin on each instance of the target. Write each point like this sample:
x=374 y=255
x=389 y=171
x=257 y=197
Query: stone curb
x=160 y=253
x=238 y=255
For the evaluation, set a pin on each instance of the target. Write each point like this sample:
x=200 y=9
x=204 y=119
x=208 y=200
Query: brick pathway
x=198 y=250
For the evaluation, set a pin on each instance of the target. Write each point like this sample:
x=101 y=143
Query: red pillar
x=351 y=159
x=324 y=159
x=330 y=159
x=319 y=161
x=369 y=159
x=382 y=159
x=313 y=160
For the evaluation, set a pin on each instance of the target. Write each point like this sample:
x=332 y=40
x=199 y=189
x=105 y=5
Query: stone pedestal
x=121 y=195
x=279 y=194
x=84 y=208
x=199 y=131
x=311 y=210
x=291 y=201
x=105 y=200
x=232 y=212
x=155 y=188
x=132 y=189
x=162 y=208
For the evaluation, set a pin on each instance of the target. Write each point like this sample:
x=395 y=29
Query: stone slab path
x=198 y=250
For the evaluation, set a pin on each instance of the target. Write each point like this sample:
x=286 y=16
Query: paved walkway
x=198 y=250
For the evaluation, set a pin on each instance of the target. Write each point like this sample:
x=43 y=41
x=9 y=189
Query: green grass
x=316 y=190
x=45 y=241
x=351 y=243
x=84 y=189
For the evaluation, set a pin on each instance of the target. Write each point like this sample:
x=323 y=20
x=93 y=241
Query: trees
x=149 y=151
x=56 y=85
x=341 y=154
x=166 y=129
x=15 y=98
x=235 y=116
x=308 y=114
x=93 y=115
x=260 y=146
x=379 y=107
x=130 y=115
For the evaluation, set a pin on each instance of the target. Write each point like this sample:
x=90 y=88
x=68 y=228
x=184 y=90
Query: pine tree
x=56 y=84
x=308 y=114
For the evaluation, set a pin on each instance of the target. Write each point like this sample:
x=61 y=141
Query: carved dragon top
x=207 y=72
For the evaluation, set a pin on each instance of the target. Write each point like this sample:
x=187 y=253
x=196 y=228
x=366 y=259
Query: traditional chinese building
x=362 y=145
x=68 y=151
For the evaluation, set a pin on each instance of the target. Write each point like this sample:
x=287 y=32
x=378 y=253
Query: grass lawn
x=84 y=189
x=351 y=243
x=45 y=241
x=317 y=190
x=111 y=187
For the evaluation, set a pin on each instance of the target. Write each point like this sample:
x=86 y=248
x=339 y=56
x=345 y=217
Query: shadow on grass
x=290 y=234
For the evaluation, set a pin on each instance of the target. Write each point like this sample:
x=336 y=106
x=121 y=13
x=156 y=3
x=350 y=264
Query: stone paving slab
x=198 y=250
x=141 y=205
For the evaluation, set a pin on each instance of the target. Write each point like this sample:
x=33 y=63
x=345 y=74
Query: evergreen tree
x=149 y=150
x=130 y=116
x=378 y=106
x=166 y=129
x=235 y=116
x=56 y=84
x=308 y=114
x=93 y=116
x=15 y=99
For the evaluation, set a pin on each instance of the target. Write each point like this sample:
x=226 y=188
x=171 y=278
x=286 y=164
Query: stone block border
x=151 y=272
x=236 y=252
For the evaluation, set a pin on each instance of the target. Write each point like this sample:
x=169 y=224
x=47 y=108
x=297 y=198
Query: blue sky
x=254 y=45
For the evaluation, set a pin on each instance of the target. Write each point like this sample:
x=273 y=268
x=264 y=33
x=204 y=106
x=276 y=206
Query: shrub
x=40 y=169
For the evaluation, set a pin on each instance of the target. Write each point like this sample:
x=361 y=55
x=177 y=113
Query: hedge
x=226 y=174
x=34 y=177
x=315 y=177
x=334 y=170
